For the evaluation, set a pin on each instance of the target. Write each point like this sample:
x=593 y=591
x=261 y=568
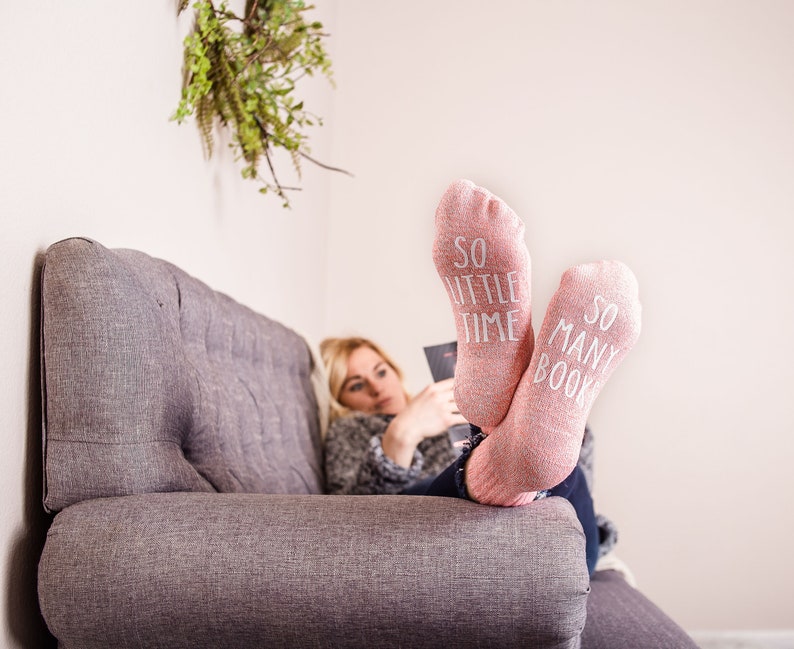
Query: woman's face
x=371 y=385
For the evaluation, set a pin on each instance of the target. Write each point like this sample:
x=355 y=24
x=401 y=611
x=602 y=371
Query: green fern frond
x=240 y=73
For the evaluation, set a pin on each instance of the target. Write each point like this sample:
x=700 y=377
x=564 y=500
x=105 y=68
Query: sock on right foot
x=480 y=254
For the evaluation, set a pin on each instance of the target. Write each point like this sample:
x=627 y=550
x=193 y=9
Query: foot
x=482 y=260
x=591 y=324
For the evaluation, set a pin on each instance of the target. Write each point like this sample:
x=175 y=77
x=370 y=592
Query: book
x=441 y=359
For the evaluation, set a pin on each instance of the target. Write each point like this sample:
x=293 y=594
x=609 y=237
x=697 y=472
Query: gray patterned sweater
x=355 y=463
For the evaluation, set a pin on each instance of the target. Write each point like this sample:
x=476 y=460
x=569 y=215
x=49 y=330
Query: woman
x=380 y=440
x=527 y=404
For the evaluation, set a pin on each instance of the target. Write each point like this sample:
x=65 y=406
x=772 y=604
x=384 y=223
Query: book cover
x=441 y=359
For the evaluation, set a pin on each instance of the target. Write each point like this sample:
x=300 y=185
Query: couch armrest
x=242 y=570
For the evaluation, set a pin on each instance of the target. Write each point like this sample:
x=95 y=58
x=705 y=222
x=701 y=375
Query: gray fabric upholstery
x=620 y=616
x=238 y=570
x=154 y=382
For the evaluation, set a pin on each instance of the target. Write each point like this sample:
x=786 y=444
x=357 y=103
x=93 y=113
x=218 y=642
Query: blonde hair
x=335 y=353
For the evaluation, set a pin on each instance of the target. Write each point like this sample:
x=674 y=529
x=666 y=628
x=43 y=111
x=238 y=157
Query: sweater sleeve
x=355 y=463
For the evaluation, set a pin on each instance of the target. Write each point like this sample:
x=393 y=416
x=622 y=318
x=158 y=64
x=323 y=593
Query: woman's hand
x=429 y=413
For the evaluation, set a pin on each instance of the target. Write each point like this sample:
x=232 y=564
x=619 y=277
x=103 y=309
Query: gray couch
x=183 y=460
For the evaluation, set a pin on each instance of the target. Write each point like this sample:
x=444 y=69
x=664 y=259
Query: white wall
x=87 y=148
x=657 y=132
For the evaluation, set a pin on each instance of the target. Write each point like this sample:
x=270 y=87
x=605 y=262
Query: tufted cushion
x=154 y=382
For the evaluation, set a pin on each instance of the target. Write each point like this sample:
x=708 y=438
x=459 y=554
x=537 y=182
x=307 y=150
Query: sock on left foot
x=591 y=324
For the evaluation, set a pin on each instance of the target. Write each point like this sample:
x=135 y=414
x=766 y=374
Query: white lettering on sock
x=567 y=328
x=466 y=325
x=586 y=381
x=487 y=288
x=571 y=389
x=614 y=351
x=612 y=309
x=511 y=318
x=511 y=282
x=607 y=318
x=481 y=241
x=594 y=319
x=570 y=345
x=577 y=346
x=471 y=288
x=540 y=370
x=563 y=369
x=491 y=288
x=452 y=292
x=483 y=327
x=462 y=250
x=495 y=318
x=460 y=290
x=576 y=384
x=479 y=289
x=499 y=295
x=598 y=353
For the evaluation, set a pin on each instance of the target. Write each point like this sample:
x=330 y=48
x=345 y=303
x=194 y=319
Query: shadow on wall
x=26 y=625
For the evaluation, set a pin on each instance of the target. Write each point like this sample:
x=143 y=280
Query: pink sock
x=592 y=322
x=480 y=254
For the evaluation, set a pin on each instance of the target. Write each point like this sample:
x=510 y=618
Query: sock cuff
x=491 y=486
x=473 y=441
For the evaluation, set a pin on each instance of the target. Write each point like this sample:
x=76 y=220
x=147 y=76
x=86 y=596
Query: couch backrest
x=154 y=382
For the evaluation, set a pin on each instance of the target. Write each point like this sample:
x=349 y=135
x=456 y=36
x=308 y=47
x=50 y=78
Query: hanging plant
x=240 y=72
